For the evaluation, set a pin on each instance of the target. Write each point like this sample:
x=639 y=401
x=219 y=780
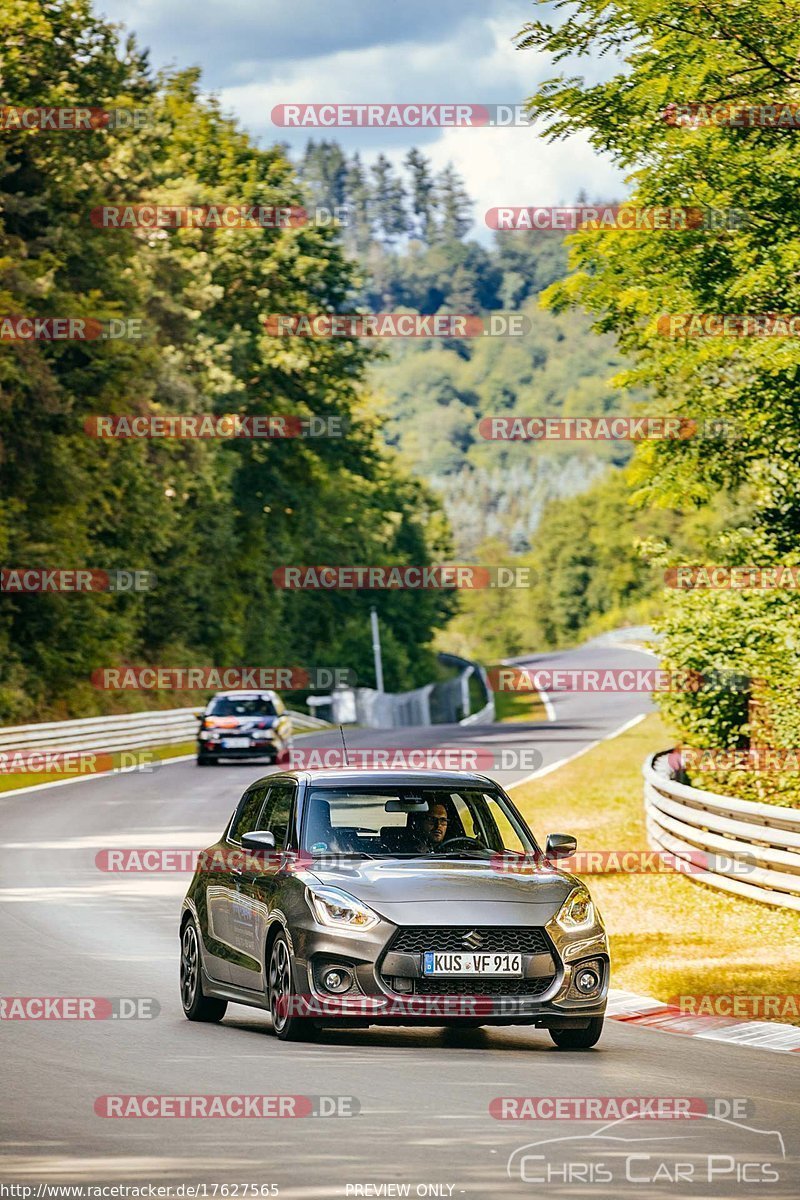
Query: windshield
x=411 y=822
x=231 y=706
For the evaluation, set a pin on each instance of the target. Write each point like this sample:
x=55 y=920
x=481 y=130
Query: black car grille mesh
x=512 y=939
x=439 y=986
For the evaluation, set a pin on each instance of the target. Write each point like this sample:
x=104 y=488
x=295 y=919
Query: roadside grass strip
x=670 y=934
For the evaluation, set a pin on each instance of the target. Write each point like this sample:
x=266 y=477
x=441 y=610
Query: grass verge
x=669 y=935
x=518 y=706
x=21 y=779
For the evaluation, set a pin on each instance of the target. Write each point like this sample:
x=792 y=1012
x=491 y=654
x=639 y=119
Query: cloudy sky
x=259 y=53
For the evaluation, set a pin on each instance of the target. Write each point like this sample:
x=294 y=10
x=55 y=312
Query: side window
x=278 y=810
x=509 y=838
x=248 y=813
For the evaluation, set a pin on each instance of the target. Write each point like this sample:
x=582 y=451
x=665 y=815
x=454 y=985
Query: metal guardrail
x=486 y=714
x=125 y=731
x=755 y=848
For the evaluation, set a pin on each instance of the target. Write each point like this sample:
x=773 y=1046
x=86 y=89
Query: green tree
x=389 y=200
x=211 y=519
x=422 y=191
x=454 y=204
x=736 y=55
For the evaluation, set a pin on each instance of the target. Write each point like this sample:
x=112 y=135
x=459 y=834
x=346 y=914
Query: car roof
x=246 y=694
x=344 y=776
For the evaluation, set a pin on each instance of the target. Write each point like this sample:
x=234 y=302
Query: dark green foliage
x=212 y=519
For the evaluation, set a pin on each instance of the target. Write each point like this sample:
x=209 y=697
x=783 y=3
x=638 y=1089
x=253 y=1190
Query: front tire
x=578 y=1039
x=196 y=1006
x=282 y=997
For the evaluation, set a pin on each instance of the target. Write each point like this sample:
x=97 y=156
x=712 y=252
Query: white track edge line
x=562 y=762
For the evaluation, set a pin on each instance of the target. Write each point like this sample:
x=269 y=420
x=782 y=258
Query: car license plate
x=235 y=743
x=436 y=963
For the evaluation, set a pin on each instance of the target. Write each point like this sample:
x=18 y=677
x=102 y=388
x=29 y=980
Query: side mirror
x=258 y=839
x=201 y=716
x=560 y=845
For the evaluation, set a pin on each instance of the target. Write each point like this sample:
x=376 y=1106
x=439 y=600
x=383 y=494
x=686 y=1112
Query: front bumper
x=388 y=987
x=261 y=750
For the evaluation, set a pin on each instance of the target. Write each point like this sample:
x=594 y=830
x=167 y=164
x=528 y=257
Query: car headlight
x=577 y=911
x=337 y=910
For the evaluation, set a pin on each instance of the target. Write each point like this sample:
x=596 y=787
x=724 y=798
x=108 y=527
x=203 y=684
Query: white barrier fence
x=754 y=848
x=125 y=731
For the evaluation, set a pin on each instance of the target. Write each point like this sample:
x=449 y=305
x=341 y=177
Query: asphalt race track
x=69 y=929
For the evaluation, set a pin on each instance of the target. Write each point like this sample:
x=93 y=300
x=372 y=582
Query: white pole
x=376 y=648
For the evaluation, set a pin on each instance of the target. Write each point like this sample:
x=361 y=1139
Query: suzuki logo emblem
x=473 y=939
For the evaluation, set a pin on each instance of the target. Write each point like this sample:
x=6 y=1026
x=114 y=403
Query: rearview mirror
x=258 y=839
x=560 y=845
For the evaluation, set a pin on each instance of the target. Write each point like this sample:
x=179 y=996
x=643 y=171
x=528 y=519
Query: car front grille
x=442 y=986
x=496 y=939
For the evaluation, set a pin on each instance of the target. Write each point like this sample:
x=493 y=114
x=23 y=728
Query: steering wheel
x=460 y=841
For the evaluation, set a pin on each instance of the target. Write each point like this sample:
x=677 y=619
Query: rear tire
x=196 y=1006
x=203 y=760
x=578 y=1039
x=282 y=997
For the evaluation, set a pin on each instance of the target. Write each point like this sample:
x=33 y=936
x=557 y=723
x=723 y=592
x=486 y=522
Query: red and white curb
x=655 y=1014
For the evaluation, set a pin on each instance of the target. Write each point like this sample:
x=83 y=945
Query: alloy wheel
x=189 y=958
x=280 y=984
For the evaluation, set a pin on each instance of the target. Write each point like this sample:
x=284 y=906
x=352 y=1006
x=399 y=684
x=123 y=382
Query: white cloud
x=512 y=166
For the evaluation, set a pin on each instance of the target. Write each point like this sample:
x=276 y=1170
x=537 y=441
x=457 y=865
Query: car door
x=257 y=885
x=222 y=893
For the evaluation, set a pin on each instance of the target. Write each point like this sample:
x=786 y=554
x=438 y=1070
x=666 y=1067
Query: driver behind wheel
x=432 y=828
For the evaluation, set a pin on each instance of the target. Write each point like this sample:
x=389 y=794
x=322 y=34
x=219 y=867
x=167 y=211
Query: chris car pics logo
x=707 y=1156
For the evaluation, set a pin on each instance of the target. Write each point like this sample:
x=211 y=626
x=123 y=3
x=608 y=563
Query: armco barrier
x=446 y=702
x=126 y=731
x=683 y=819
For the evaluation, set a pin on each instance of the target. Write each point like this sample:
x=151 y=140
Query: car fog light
x=587 y=981
x=337 y=980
